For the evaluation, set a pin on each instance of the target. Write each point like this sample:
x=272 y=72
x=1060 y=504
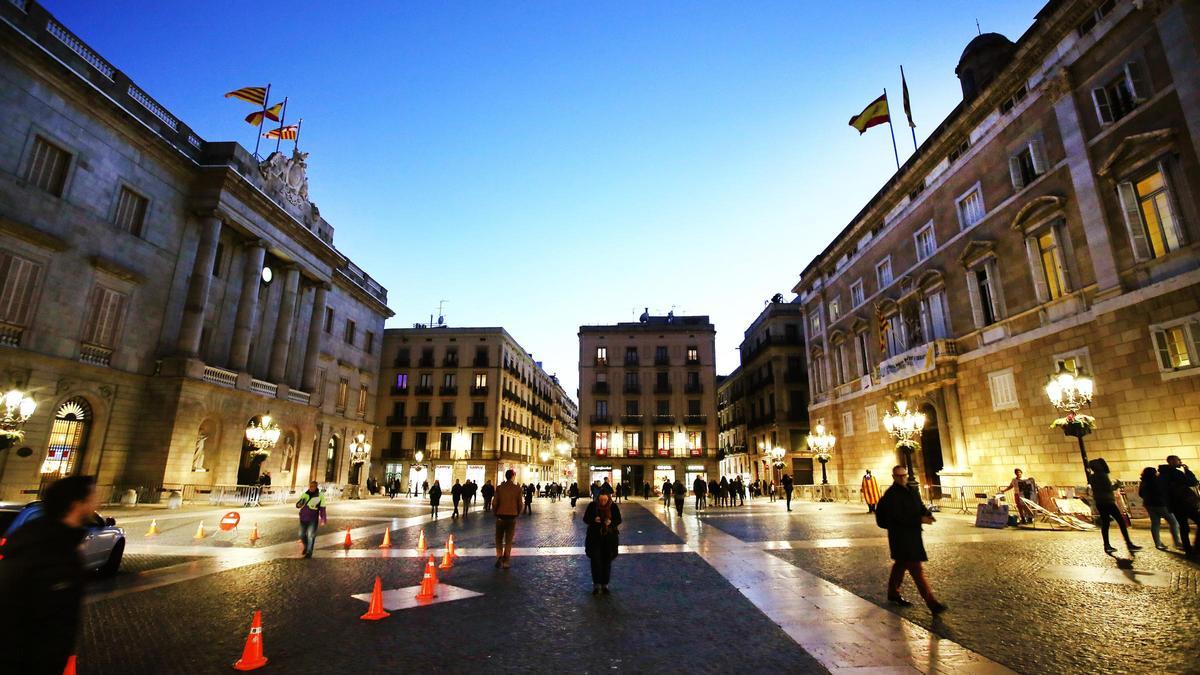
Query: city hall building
x=469 y=404
x=160 y=293
x=647 y=401
x=1050 y=222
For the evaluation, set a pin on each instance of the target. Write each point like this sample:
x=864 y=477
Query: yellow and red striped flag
x=287 y=133
x=255 y=95
x=875 y=113
x=256 y=118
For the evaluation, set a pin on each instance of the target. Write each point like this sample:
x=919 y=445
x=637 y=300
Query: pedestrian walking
x=645 y=491
x=700 y=489
x=425 y=487
x=902 y=514
x=529 y=498
x=312 y=513
x=666 y=494
x=455 y=497
x=1023 y=489
x=1181 y=497
x=1104 y=495
x=42 y=579
x=714 y=492
x=606 y=488
x=573 y=493
x=771 y=490
x=487 y=491
x=435 y=497
x=741 y=491
x=1154 y=497
x=603 y=517
x=870 y=491
x=395 y=487
x=787 y=490
x=507 y=508
x=680 y=493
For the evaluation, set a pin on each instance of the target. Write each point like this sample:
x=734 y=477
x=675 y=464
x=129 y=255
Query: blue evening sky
x=542 y=165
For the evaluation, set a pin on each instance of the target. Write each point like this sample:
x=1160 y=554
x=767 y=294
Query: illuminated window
x=601 y=355
x=1050 y=273
x=600 y=443
x=664 y=443
x=633 y=443
x=695 y=443
x=1150 y=216
x=1178 y=344
x=343 y=394
x=68 y=435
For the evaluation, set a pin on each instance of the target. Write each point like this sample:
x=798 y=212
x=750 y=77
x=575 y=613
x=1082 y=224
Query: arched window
x=331 y=460
x=68 y=436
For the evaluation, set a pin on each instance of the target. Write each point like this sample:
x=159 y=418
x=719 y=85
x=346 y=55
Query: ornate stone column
x=243 y=327
x=282 y=340
x=190 y=329
x=315 y=328
x=954 y=427
x=1178 y=24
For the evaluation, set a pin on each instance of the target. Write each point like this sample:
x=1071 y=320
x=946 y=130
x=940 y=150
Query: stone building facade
x=1051 y=221
x=474 y=404
x=647 y=401
x=159 y=291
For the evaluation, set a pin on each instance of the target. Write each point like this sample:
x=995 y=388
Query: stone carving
x=1057 y=85
x=287 y=176
x=289 y=451
x=198 y=453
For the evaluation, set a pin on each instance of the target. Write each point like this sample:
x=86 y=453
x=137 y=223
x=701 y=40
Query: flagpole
x=282 y=118
x=296 y=140
x=258 y=139
x=892 y=130
x=911 y=128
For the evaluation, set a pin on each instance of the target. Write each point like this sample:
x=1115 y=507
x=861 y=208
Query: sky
x=545 y=165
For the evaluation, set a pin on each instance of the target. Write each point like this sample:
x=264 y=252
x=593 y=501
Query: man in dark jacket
x=901 y=513
x=700 y=489
x=787 y=490
x=488 y=491
x=1181 y=497
x=666 y=493
x=41 y=580
x=455 y=496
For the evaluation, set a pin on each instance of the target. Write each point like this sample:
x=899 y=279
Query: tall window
x=401 y=381
x=814 y=322
x=331 y=459
x=68 y=436
x=883 y=273
x=835 y=310
x=970 y=208
x=481 y=380
x=343 y=394
x=896 y=340
x=426 y=380
x=693 y=355
x=925 y=243
x=363 y=392
x=18 y=281
x=449 y=380
x=1029 y=163
x=631 y=406
x=349 y=335
x=131 y=211
x=633 y=444
x=933 y=315
x=601 y=355
x=1048 y=269
x=631 y=356
x=369 y=343
x=48 y=164
x=329 y=320
x=660 y=355
x=1150 y=215
x=856 y=293
x=840 y=364
x=600 y=443
x=1120 y=95
x=984 y=291
x=105 y=313
x=1178 y=344
x=664 y=443
x=695 y=443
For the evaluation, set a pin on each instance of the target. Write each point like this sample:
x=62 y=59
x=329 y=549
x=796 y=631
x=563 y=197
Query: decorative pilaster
x=243 y=327
x=282 y=341
x=190 y=329
x=313 y=346
x=1177 y=33
x=954 y=427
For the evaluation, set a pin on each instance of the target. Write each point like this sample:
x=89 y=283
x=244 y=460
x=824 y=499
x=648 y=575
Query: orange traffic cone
x=254 y=534
x=151 y=532
x=428 y=582
x=450 y=547
x=431 y=567
x=375 y=609
x=347 y=544
x=421 y=543
x=252 y=653
x=70 y=669
x=387 y=539
x=199 y=532
x=447 y=561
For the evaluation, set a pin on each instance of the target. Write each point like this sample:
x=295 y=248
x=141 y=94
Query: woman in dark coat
x=1105 y=497
x=901 y=513
x=602 y=517
x=435 y=496
x=679 y=493
x=573 y=493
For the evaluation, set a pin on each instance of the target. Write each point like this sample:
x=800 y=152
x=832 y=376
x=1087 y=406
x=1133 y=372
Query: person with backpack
x=312 y=512
x=902 y=514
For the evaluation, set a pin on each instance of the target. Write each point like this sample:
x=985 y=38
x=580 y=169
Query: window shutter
x=1173 y=227
x=1036 y=270
x=1038 y=155
x=1014 y=173
x=1103 y=108
x=937 y=315
x=976 y=306
x=1193 y=330
x=1136 y=81
x=999 y=309
x=1164 y=354
x=1133 y=220
x=18 y=279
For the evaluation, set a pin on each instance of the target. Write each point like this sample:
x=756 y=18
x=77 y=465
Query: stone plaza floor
x=754 y=588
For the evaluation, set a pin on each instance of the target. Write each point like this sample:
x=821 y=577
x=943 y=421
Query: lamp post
x=1069 y=392
x=777 y=453
x=262 y=434
x=905 y=426
x=820 y=444
x=18 y=408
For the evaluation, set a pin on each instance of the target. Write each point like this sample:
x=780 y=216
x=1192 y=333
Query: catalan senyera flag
x=883 y=328
x=875 y=113
x=255 y=95
x=287 y=133
x=256 y=118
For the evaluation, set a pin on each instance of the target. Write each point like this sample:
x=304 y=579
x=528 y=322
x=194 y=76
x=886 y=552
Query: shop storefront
x=695 y=471
x=444 y=475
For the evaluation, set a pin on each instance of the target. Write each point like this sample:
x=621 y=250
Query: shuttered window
x=104 y=317
x=1121 y=95
x=48 y=166
x=1177 y=345
x=970 y=208
x=1150 y=220
x=1004 y=389
x=18 y=281
x=1027 y=164
x=131 y=212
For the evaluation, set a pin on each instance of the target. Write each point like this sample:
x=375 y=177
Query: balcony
x=662 y=360
x=474 y=421
x=600 y=388
x=448 y=390
x=402 y=362
x=601 y=420
x=479 y=391
x=447 y=420
x=632 y=420
x=601 y=363
x=425 y=362
x=632 y=362
x=632 y=389
x=450 y=361
x=482 y=361
x=693 y=388
x=794 y=376
x=664 y=419
x=397 y=421
x=763 y=420
x=392 y=452
x=399 y=391
x=423 y=390
x=917 y=360
x=695 y=420
x=662 y=388
x=421 y=421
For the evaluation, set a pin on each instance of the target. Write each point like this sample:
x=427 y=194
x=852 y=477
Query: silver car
x=102 y=547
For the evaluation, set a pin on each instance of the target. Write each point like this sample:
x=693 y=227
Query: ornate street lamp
x=905 y=426
x=262 y=434
x=1069 y=392
x=820 y=444
x=777 y=454
x=18 y=408
x=418 y=458
x=564 y=448
x=360 y=449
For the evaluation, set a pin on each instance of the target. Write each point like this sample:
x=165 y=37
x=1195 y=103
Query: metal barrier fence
x=216 y=495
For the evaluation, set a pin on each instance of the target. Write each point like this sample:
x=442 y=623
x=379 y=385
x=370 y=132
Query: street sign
x=230 y=521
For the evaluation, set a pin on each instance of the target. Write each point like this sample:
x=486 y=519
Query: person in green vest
x=312 y=512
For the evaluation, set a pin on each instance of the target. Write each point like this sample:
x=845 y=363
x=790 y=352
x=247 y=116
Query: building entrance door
x=931 y=453
x=663 y=474
x=634 y=477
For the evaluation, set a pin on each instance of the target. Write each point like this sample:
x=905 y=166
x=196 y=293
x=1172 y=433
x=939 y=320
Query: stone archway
x=931 y=458
x=68 y=443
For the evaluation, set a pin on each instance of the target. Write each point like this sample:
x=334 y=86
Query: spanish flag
x=287 y=133
x=873 y=114
x=256 y=118
x=255 y=95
